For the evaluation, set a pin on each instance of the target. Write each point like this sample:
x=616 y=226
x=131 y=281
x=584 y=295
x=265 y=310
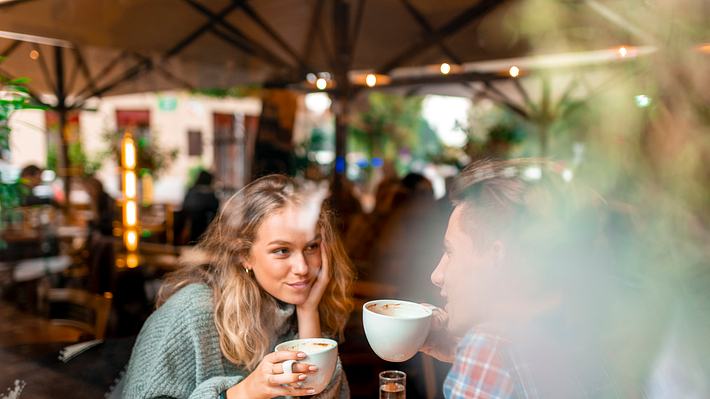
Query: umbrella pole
x=61 y=109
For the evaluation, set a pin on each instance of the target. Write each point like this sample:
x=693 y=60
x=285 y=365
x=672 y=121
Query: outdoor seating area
x=451 y=198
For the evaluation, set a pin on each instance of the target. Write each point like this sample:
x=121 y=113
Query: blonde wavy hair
x=243 y=311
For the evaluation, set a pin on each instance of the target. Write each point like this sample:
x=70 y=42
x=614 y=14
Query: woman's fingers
x=279 y=379
x=282 y=356
x=296 y=368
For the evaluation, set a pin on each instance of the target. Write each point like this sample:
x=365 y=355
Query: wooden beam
x=105 y=71
x=81 y=64
x=212 y=19
x=428 y=30
x=356 y=28
x=239 y=36
x=312 y=30
x=45 y=70
x=251 y=12
x=11 y=48
x=477 y=11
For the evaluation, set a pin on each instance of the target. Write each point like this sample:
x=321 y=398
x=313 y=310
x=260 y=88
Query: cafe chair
x=78 y=310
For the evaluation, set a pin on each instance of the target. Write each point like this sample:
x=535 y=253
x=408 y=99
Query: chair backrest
x=80 y=309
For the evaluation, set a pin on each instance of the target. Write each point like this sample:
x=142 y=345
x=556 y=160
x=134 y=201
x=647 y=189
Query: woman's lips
x=300 y=285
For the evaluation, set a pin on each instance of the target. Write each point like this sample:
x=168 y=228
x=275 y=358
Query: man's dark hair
x=30 y=171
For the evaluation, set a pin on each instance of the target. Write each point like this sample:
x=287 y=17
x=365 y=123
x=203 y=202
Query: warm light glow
x=129 y=184
x=623 y=51
x=130 y=239
x=704 y=48
x=128 y=153
x=371 y=80
x=130 y=213
x=34 y=54
x=321 y=84
x=514 y=71
x=445 y=68
x=132 y=261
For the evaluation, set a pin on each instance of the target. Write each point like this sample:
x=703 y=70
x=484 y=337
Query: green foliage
x=151 y=158
x=393 y=124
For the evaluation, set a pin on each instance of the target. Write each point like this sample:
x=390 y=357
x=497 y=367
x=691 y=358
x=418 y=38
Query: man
x=516 y=279
x=31 y=177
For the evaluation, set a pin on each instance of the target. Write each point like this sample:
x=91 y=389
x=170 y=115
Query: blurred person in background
x=31 y=177
x=199 y=207
x=269 y=269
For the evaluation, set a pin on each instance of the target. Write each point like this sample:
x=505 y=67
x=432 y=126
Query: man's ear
x=498 y=251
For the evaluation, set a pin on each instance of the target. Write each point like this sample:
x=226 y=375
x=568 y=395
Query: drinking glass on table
x=392 y=384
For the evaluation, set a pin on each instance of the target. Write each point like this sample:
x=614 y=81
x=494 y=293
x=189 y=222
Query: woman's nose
x=299 y=265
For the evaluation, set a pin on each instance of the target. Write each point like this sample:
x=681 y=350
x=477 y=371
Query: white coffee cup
x=320 y=352
x=396 y=329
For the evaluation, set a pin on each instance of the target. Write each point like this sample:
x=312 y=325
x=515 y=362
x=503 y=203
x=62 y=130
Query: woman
x=270 y=268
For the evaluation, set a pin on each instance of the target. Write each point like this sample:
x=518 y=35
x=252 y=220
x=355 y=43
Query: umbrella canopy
x=106 y=47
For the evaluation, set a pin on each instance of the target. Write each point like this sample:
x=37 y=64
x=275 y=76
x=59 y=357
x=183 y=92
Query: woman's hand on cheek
x=321 y=283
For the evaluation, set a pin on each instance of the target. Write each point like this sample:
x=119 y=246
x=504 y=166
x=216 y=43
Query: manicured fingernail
x=301 y=355
x=302 y=377
x=311 y=391
x=312 y=368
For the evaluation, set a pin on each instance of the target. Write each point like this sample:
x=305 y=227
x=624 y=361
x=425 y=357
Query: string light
x=129 y=183
x=445 y=68
x=321 y=84
x=370 y=80
x=34 y=54
x=623 y=51
x=514 y=71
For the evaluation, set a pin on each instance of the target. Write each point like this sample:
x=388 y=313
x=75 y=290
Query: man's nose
x=437 y=276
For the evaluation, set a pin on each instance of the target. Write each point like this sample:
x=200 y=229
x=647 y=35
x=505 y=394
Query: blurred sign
x=167 y=103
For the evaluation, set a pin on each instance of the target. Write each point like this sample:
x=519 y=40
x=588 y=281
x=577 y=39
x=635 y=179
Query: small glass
x=392 y=384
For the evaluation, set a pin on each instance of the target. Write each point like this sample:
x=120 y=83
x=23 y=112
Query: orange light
x=130 y=239
x=371 y=80
x=129 y=184
x=34 y=54
x=130 y=213
x=132 y=261
x=128 y=152
x=704 y=48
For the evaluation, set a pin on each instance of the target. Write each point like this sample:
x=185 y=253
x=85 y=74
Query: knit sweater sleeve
x=177 y=353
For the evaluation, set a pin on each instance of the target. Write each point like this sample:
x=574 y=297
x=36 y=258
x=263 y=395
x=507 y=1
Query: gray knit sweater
x=177 y=353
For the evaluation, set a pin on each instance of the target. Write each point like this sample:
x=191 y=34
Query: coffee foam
x=309 y=347
x=397 y=309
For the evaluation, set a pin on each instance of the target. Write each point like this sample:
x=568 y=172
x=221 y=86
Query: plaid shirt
x=486 y=368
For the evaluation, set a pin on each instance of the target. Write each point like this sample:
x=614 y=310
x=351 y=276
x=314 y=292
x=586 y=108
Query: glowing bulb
x=642 y=100
x=34 y=54
x=445 y=68
x=311 y=78
x=129 y=153
x=623 y=51
x=567 y=175
x=132 y=261
x=131 y=240
x=370 y=80
x=130 y=213
x=129 y=184
x=321 y=84
x=514 y=71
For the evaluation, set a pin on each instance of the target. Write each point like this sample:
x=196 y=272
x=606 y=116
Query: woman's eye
x=280 y=251
x=312 y=247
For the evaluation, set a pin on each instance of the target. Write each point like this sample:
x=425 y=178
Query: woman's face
x=286 y=255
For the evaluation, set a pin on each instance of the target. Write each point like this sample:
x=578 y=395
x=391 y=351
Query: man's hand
x=440 y=344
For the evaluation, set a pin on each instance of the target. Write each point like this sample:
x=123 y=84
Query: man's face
x=466 y=275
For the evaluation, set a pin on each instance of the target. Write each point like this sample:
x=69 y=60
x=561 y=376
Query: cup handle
x=288 y=366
